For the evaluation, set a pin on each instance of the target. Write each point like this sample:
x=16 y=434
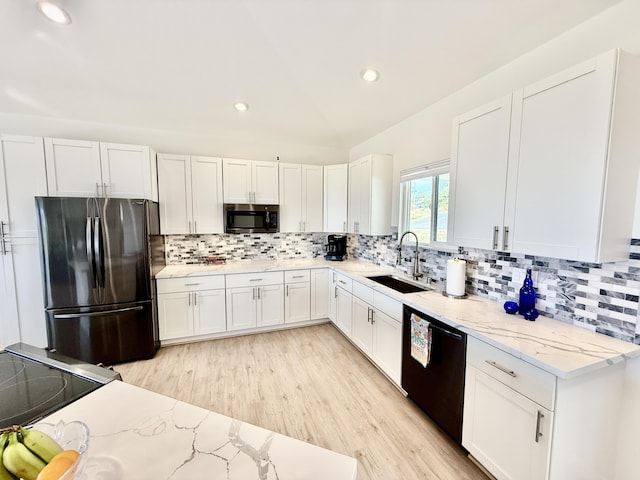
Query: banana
x=4 y=473
x=40 y=443
x=20 y=461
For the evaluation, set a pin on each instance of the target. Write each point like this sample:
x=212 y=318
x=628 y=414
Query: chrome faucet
x=416 y=261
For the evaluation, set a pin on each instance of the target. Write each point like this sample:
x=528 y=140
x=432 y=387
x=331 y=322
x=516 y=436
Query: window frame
x=429 y=170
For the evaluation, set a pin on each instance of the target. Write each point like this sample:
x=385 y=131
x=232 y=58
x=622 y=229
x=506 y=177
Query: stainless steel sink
x=399 y=284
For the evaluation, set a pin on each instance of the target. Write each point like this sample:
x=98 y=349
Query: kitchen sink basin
x=398 y=284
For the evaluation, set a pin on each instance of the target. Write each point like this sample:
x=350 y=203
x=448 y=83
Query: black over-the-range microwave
x=246 y=218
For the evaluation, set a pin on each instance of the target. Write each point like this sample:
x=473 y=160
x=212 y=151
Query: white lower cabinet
x=190 y=306
x=523 y=423
x=320 y=286
x=344 y=303
x=297 y=296
x=361 y=327
x=254 y=300
x=333 y=297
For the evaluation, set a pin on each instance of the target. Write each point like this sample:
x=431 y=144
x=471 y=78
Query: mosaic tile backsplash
x=601 y=297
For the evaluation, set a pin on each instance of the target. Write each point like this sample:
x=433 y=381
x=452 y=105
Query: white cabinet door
x=73 y=168
x=333 y=298
x=369 y=193
x=175 y=315
x=209 y=314
x=127 y=171
x=361 y=326
x=387 y=344
x=237 y=181
x=364 y=223
x=206 y=188
x=270 y=305
x=297 y=302
x=174 y=185
x=479 y=156
x=312 y=204
x=335 y=198
x=290 y=197
x=320 y=285
x=265 y=182
x=506 y=432
x=355 y=186
x=241 y=308
x=343 y=311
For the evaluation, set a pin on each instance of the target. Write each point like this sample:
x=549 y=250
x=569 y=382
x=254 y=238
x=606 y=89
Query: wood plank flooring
x=311 y=384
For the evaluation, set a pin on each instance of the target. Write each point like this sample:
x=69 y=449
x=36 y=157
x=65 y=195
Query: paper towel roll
x=456 y=277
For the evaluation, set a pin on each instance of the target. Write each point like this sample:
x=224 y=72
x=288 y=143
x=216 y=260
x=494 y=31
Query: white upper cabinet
x=480 y=154
x=370 y=195
x=573 y=156
x=247 y=181
x=335 y=198
x=300 y=198
x=190 y=191
x=78 y=168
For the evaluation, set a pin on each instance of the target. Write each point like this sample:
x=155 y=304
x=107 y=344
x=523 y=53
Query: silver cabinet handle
x=335 y=293
x=195 y=299
x=373 y=320
x=368 y=314
x=344 y=226
x=286 y=291
x=505 y=238
x=195 y=226
x=3 y=240
x=298 y=276
x=189 y=226
x=104 y=189
x=342 y=282
x=495 y=237
x=258 y=292
x=256 y=279
x=189 y=299
x=538 y=422
x=511 y=373
x=190 y=284
x=254 y=293
x=97 y=189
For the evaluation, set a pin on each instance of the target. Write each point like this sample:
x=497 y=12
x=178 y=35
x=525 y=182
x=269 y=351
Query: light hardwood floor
x=311 y=384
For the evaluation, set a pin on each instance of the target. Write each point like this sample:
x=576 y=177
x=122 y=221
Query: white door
x=335 y=198
x=343 y=311
x=209 y=312
x=354 y=196
x=361 y=326
x=479 y=155
x=265 y=182
x=126 y=171
x=174 y=190
x=290 y=197
x=558 y=162
x=241 y=308
x=236 y=176
x=297 y=302
x=206 y=194
x=312 y=204
x=270 y=305
x=175 y=315
x=73 y=168
x=364 y=225
x=506 y=432
x=320 y=293
x=387 y=344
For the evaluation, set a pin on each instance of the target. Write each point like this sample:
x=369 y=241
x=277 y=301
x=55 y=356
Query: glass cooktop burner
x=30 y=390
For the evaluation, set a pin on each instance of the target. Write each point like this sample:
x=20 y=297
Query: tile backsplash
x=601 y=297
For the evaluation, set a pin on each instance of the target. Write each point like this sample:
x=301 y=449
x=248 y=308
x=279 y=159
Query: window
x=424 y=201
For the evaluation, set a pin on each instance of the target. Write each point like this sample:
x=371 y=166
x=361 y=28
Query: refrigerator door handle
x=90 y=252
x=97 y=250
x=97 y=314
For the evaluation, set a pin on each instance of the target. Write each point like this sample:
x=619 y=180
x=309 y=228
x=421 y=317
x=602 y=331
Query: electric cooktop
x=35 y=383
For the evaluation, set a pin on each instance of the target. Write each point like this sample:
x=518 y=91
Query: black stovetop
x=30 y=390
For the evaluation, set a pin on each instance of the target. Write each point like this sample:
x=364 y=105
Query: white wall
x=426 y=136
x=172 y=142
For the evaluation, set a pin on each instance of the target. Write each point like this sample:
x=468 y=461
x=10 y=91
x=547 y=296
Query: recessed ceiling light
x=241 y=106
x=54 y=12
x=369 y=75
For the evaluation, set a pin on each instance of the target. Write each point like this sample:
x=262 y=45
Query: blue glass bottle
x=527 y=295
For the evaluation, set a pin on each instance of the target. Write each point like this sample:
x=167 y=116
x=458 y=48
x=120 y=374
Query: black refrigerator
x=99 y=259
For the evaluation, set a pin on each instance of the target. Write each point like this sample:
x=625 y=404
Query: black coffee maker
x=336 y=247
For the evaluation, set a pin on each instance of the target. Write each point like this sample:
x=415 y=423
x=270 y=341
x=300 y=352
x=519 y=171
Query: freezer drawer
x=108 y=335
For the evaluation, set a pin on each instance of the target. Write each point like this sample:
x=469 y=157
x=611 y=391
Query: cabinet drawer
x=344 y=282
x=254 y=279
x=363 y=292
x=297 y=276
x=388 y=305
x=189 y=284
x=523 y=377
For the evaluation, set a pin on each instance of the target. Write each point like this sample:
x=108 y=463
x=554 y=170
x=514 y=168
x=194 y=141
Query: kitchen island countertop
x=137 y=434
x=560 y=348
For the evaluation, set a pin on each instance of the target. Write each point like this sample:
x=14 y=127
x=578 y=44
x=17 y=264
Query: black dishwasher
x=438 y=387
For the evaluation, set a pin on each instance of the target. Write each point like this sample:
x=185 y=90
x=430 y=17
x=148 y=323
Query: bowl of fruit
x=44 y=451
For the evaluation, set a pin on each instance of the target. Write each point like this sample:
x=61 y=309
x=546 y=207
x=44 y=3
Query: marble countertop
x=559 y=348
x=137 y=434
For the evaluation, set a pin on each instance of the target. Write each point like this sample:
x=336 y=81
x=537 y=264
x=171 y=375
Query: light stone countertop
x=136 y=434
x=559 y=348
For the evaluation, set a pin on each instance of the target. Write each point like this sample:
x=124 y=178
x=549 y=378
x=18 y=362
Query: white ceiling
x=180 y=65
